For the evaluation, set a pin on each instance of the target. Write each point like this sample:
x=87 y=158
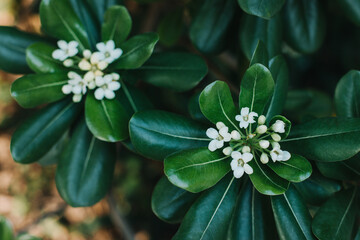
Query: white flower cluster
x=263 y=142
x=92 y=66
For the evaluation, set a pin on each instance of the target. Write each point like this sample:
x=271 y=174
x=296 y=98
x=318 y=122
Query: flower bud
x=246 y=149
x=115 y=76
x=77 y=97
x=264 y=158
x=87 y=54
x=68 y=63
x=261 y=120
x=264 y=143
x=227 y=151
x=275 y=145
x=278 y=126
x=235 y=135
x=220 y=125
x=276 y=137
x=261 y=129
x=102 y=65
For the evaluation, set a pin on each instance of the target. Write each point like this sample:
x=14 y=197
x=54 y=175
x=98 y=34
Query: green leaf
x=351 y=9
x=253 y=29
x=304 y=25
x=171 y=27
x=171 y=203
x=292 y=217
x=280 y=73
x=252 y=217
x=60 y=21
x=173 y=70
x=296 y=169
x=287 y=125
x=166 y=132
x=38 y=134
x=336 y=218
x=344 y=170
x=99 y=7
x=39 y=59
x=211 y=213
x=325 y=139
x=6 y=229
x=106 y=119
x=117 y=25
x=217 y=105
x=53 y=155
x=133 y=99
x=347 y=97
x=196 y=169
x=256 y=88
x=260 y=8
x=317 y=189
x=209 y=28
x=85 y=171
x=136 y=51
x=13 y=44
x=260 y=55
x=194 y=108
x=265 y=180
x=36 y=89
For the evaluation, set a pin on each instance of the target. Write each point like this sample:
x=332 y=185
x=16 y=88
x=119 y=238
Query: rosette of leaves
x=80 y=136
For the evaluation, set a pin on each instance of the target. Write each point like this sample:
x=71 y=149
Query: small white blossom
x=218 y=136
x=278 y=126
x=239 y=164
x=279 y=155
x=235 y=135
x=65 y=50
x=264 y=144
x=227 y=151
x=276 y=137
x=68 y=63
x=261 y=120
x=76 y=85
x=246 y=149
x=261 y=129
x=245 y=118
x=108 y=52
x=106 y=87
x=264 y=158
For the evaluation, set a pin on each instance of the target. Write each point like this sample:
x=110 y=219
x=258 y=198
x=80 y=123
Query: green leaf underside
x=35 y=137
x=166 y=132
x=260 y=8
x=208 y=222
x=196 y=169
x=325 y=139
x=85 y=171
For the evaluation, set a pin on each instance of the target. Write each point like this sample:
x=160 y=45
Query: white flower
x=218 y=137
x=239 y=163
x=261 y=129
x=264 y=143
x=108 y=52
x=264 y=158
x=227 y=151
x=106 y=87
x=235 y=135
x=245 y=118
x=76 y=85
x=279 y=155
x=246 y=149
x=278 y=126
x=261 y=120
x=65 y=50
x=276 y=137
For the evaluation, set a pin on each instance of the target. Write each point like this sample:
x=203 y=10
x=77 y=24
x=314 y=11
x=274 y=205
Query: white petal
x=110 y=45
x=223 y=131
x=212 y=133
x=286 y=155
x=244 y=111
x=102 y=65
x=238 y=118
x=109 y=94
x=99 y=81
x=59 y=55
x=274 y=156
x=77 y=98
x=117 y=53
x=247 y=157
x=89 y=76
x=87 y=54
x=227 y=137
x=84 y=65
x=91 y=85
x=72 y=52
x=115 y=76
x=96 y=57
x=219 y=144
x=220 y=125
x=236 y=155
x=248 y=169
x=108 y=78
x=234 y=164
x=253 y=114
x=101 y=47
x=66 y=89
x=238 y=172
x=244 y=124
x=62 y=44
x=73 y=44
x=99 y=94
x=77 y=89
x=212 y=145
x=114 y=86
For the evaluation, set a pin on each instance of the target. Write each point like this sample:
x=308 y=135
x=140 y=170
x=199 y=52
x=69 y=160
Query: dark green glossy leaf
x=304 y=25
x=336 y=218
x=36 y=89
x=136 y=51
x=325 y=139
x=280 y=73
x=287 y=125
x=344 y=170
x=252 y=217
x=53 y=155
x=173 y=70
x=171 y=27
x=194 y=108
x=347 y=97
x=106 y=119
x=210 y=215
x=39 y=59
x=99 y=7
x=85 y=171
x=317 y=189
x=296 y=169
x=117 y=25
x=260 y=55
x=60 y=21
x=256 y=88
x=209 y=28
x=265 y=180
x=292 y=217
x=35 y=137
x=13 y=44
x=6 y=229
x=165 y=132
x=171 y=203
x=253 y=29
x=217 y=105
x=264 y=9
x=196 y=169
x=133 y=99
x=351 y=9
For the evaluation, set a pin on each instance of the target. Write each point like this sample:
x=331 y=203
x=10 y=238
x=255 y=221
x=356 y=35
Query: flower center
x=246 y=118
x=107 y=54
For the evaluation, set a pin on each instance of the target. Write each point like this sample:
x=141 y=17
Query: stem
x=128 y=95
